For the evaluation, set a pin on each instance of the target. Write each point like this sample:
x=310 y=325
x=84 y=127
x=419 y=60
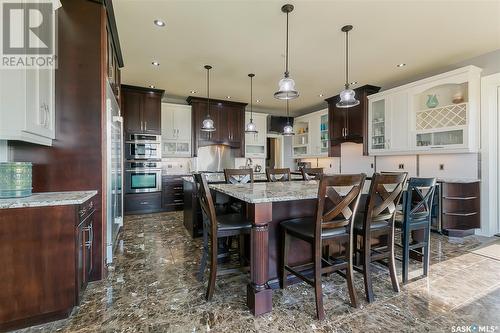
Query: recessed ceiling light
x=401 y=65
x=228 y=97
x=353 y=83
x=151 y=86
x=159 y=23
x=155 y=63
x=257 y=101
x=193 y=92
x=320 y=95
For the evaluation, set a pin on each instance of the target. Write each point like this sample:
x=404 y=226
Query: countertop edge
x=47 y=199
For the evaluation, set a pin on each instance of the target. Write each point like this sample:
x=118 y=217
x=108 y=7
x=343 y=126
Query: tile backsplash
x=329 y=164
x=176 y=165
x=4 y=152
x=397 y=164
x=449 y=166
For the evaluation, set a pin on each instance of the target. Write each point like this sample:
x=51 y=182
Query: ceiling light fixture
x=257 y=100
x=401 y=65
x=354 y=83
x=208 y=123
x=251 y=128
x=228 y=97
x=155 y=63
x=286 y=85
x=151 y=86
x=288 y=129
x=193 y=92
x=320 y=95
x=159 y=23
x=347 y=96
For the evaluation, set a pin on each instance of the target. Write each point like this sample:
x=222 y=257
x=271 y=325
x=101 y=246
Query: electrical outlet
x=401 y=166
x=441 y=166
x=371 y=165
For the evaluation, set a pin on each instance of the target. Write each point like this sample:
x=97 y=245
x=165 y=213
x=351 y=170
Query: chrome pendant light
x=251 y=128
x=286 y=85
x=208 y=123
x=347 y=96
x=288 y=129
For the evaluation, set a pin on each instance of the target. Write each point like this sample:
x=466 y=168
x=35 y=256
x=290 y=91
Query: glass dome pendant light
x=347 y=96
x=208 y=123
x=286 y=85
x=251 y=128
x=288 y=129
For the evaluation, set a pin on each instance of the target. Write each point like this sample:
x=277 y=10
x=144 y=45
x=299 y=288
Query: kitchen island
x=267 y=205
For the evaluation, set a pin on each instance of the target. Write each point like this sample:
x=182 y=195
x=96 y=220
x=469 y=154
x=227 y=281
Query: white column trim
x=4 y=151
x=490 y=126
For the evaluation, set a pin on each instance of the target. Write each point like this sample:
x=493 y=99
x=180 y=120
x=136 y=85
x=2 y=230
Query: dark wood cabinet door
x=80 y=261
x=131 y=110
x=151 y=113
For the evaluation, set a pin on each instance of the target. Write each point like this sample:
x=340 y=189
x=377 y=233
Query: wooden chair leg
x=213 y=267
x=349 y=275
x=427 y=251
x=366 y=269
x=241 y=249
x=405 y=238
x=204 y=255
x=392 y=262
x=284 y=255
x=318 y=291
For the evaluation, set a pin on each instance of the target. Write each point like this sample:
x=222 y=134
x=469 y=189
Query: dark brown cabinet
x=350 y=124
x=229 y=120
x=141 y=109
x=460 y=208
x=142 y=203
x=172 y=193
x=48 y=253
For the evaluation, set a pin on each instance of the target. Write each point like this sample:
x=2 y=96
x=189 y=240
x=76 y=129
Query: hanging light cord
x=346 y=59
x=286 y=49
x=208 y=92
x=287 y=113
x=251 y=98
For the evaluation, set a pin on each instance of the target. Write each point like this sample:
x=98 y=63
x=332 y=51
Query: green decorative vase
x=15 y=179
x=432 y=101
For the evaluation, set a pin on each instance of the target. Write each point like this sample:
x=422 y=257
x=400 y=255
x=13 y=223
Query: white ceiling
x=238 y=37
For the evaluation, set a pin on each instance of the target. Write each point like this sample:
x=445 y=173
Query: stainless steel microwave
x=143 y=147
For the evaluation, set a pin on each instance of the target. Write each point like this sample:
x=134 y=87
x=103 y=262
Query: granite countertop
x=458 y=180
x=218 y=177
x=270 y=192
x=48 y=199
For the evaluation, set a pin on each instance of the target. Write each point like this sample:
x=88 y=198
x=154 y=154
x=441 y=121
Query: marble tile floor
x=152 y=288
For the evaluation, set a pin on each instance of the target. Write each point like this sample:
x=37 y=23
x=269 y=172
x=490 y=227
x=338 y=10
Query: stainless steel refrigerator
x=114 y=168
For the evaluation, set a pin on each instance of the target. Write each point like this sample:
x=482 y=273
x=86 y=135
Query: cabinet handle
x=145 y=126
x=89 y=229
x=143 y=203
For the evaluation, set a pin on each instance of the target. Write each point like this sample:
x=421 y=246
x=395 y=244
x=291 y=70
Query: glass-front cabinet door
x=324 y=140
x=378 y=122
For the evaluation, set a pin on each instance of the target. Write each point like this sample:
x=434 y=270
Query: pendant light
x=347 y=96
x=288 y=129
x=286 y=85
x=251 y=128
x=208 y=123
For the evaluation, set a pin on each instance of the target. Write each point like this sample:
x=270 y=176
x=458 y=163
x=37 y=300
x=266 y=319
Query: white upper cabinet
x=434 y=115
x=256 y=144
x=176 y=130
x=27 y=99
x=311 y=135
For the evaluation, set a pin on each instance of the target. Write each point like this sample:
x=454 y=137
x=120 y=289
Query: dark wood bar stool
x=376 y=221
x=278 y=175
x=311 y=173
x=417 y=212
x=238 y=176
x=332 y=222
x=215 y=227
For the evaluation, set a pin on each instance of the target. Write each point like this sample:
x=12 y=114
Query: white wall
x=353 y=161
x=329 y=164
x=406 y=163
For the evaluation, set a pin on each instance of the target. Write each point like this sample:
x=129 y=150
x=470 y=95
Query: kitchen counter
x=270 y=192
x=48 y=199
x=218 y=177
